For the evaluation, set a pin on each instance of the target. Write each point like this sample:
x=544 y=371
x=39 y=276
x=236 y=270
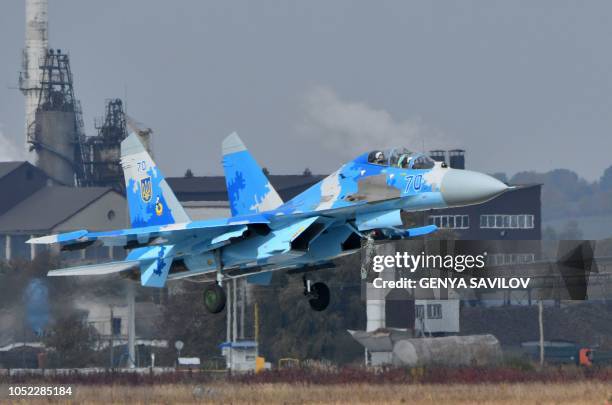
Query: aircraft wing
x=218 y=230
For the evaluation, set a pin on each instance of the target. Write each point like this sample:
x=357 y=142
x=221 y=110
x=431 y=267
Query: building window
x=97 y=252
x=434 y=311
x=450 y=221
x=420 y=311
x=522 y=221
x=116 y=326
x=118 y=253
x=19 y=248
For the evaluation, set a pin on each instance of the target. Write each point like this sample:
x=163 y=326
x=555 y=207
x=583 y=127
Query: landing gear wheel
x=214 y=298
x=319 y=293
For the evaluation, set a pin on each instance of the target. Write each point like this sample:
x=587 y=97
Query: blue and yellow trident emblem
x=146 y=190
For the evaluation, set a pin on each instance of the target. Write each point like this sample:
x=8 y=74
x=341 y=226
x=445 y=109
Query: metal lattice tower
x=102 y=166
x=57 y=135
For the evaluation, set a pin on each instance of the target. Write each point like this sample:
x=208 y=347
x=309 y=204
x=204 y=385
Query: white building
x=240 y=355
x=435 y=317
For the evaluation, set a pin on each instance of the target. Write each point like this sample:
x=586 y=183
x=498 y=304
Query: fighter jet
x=362 y=199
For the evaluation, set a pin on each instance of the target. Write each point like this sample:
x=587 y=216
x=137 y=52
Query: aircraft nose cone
x=464 y=187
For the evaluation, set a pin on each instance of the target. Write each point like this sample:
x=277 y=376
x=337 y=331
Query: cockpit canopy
x=401 y=158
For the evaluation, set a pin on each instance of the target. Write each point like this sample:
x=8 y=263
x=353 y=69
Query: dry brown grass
x=535 y=393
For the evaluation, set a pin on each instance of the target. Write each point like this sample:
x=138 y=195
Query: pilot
x=379 y=158
x=403 y=162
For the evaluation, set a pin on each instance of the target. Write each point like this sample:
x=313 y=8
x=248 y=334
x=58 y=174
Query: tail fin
x=248 y=189
x=150 y=199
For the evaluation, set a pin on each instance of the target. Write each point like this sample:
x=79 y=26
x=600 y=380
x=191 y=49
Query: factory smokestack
x=36 y=44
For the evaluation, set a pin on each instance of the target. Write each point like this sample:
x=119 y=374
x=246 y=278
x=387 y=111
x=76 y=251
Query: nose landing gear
x=317 y=294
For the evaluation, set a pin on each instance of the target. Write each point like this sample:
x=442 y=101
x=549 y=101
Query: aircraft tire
x=214 y=298
x=320 y=300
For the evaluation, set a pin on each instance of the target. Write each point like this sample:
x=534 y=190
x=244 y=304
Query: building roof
x=49 y=207
x=213 y=188
x=380 y=340
x=240 y=344
x=7 y=167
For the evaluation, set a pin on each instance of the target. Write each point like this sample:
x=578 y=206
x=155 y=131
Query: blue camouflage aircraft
x=362 y=199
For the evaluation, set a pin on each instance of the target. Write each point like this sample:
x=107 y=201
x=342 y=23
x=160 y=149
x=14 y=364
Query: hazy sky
x=519 y=84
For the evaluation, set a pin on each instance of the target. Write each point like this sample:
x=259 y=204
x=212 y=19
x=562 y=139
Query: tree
x=605 y=183
x=188 y=174
x=571 y=231
x=290 y=328
x=72 y=339
x=185 y=318
x=501 y=177
x=549 y=233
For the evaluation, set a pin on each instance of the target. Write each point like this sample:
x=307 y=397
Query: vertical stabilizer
x=150 y=199
x=248 y=189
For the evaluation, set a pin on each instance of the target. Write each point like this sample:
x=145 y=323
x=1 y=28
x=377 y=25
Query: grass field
x=517 y=393
x=348 y=385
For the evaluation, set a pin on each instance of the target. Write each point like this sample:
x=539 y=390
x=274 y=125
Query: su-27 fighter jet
x=362 y=199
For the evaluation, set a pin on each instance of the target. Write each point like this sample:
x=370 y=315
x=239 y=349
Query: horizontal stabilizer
x=59 y=238
x=95 y=269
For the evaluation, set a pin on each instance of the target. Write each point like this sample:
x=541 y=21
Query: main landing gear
x=214 y=295
x=214 y=298
x=317 y=294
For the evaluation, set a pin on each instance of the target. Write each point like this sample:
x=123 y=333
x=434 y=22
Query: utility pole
x=228 y=317
x=111 y=337
x=131 y=326
x=541 y=322
x=243 y=287
x=234 y=310
x=228 y=312
x=256 y=322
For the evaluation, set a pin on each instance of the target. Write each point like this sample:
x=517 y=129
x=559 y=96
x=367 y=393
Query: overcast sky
x=519 y=84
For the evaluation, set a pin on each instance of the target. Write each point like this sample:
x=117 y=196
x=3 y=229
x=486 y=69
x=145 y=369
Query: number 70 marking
x=416 y=184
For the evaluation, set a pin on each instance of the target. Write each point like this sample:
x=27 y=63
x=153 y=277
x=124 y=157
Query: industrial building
x=514 y=215
x=54 y=132
x=511 y=216
x=39 y=206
